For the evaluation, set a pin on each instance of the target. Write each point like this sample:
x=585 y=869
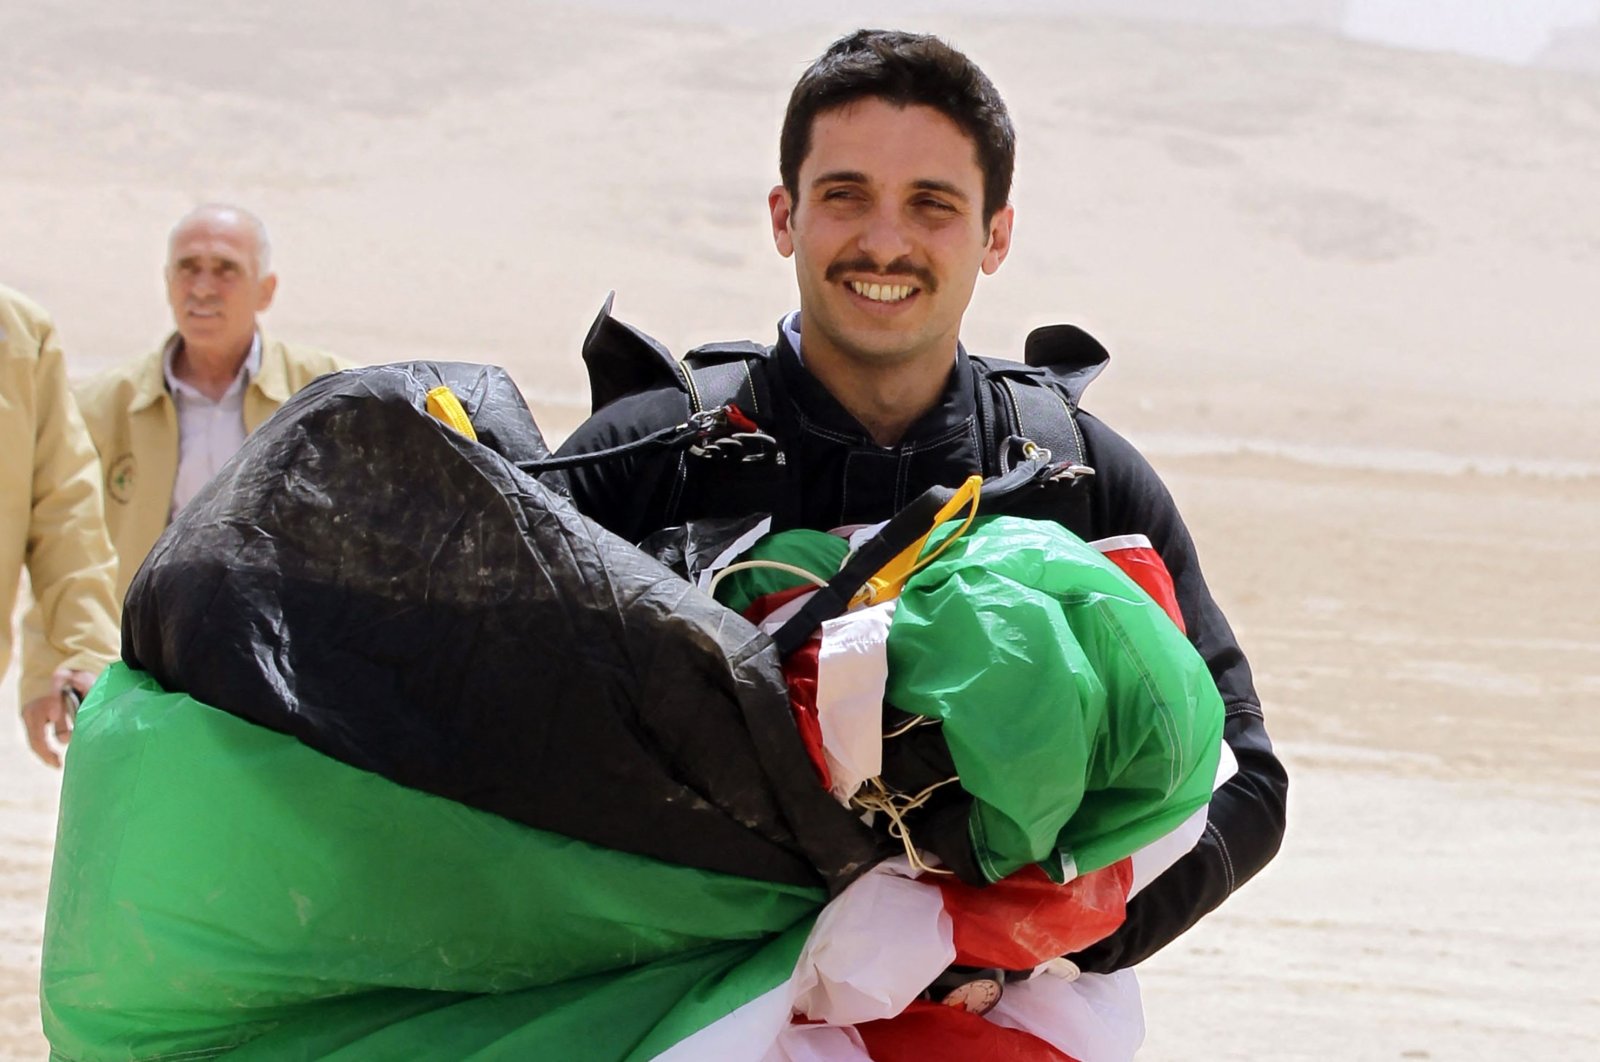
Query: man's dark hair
x=904 y=69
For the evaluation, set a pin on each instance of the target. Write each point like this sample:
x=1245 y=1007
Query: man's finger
x=36 y=721
x=65 y=715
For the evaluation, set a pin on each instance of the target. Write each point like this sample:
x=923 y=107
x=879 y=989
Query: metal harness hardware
x=745 y=443
x=1019 y=448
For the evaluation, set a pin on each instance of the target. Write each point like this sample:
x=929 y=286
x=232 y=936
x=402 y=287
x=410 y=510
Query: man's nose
x=204 y=283
x=883 y=237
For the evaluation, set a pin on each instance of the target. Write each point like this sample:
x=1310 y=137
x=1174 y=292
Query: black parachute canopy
x=409 y=601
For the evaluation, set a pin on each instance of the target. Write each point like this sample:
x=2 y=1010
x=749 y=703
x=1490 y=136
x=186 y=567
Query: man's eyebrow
x=840 y=177
x=927 y=184
x=222 y=261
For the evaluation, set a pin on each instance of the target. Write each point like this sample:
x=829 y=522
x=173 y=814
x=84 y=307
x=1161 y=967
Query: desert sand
x=1349 y=295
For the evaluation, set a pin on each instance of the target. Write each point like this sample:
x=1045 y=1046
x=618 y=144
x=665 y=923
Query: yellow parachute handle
x=443 y=404
x=891 y=578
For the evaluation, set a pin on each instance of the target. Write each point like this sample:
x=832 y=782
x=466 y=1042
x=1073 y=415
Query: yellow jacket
x=51 y=514
x=134 y=424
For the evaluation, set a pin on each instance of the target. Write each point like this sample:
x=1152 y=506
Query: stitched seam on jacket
x=812 y=427
x=1222 y=850
x=750 y=381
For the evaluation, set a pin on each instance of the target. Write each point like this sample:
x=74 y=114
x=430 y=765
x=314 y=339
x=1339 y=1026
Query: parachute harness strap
x=889 y=580
x=892 y=577
x=875 y=796
x=445 y=406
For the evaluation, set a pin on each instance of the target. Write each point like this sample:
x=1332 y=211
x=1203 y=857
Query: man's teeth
x=882 y=292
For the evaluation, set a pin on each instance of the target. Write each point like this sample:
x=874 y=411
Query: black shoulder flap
x=621 y=360
x=1071 y=356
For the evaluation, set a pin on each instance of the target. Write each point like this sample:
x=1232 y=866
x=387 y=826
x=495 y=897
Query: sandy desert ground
x=1350 y=296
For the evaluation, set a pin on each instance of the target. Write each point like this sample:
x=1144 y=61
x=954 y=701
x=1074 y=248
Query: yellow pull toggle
x=891 y=578
x=443 y=404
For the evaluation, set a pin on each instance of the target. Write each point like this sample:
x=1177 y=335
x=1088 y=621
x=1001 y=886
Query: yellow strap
x=443 y=404
x=891 y=578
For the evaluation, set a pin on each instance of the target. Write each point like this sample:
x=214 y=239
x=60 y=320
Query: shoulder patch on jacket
x=121 y=475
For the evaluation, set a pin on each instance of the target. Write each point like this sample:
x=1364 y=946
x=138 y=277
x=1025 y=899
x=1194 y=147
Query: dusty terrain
x=1349 y=296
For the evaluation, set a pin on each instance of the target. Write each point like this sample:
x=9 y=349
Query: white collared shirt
x=791 y=331
x=208 y=432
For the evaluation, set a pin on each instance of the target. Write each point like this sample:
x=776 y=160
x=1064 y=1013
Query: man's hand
x=54 y=715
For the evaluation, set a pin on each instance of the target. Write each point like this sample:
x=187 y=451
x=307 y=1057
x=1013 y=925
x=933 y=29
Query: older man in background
x=164 y=423
x=52 y=521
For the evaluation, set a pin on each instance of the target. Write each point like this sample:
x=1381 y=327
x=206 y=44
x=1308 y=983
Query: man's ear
x=999 y=238
x=269 y=288
x=781 y=207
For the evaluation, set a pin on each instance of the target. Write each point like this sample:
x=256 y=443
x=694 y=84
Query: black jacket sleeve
x=1245 y=822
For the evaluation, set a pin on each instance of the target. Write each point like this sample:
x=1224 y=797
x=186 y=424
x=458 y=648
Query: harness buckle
x=1066 y=471
x=745 y=443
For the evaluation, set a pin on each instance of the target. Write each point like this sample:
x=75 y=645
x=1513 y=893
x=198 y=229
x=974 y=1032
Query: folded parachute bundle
x=1044 y=707
x=407 y=758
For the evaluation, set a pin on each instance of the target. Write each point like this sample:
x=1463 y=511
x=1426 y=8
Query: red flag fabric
x=1140 y=562
x=800 y=675
x=932 y=1032
x=1026 y=919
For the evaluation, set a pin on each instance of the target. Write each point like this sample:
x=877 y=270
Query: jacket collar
x=150 y=381
x=271 y=377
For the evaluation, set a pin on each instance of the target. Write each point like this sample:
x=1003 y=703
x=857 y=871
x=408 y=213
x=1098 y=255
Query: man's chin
x=881 y=351
x=885 y=344
x=200 y=329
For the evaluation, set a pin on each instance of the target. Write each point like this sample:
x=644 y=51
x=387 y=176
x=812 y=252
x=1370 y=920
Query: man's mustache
x=900 y=267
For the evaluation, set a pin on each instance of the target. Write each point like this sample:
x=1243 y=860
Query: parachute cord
x=894 y=807
x=906 y=728
x=742 y=566
x=676 y=437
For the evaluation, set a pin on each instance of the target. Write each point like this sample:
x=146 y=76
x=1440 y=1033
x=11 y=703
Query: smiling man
x=165 y=422
x=896 y=159
x=888 y=226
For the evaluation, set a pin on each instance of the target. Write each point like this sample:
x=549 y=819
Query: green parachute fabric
x=287 y=905
x=1080 y=719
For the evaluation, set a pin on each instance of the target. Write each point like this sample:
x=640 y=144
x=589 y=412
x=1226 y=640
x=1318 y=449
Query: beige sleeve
x=71 y=565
